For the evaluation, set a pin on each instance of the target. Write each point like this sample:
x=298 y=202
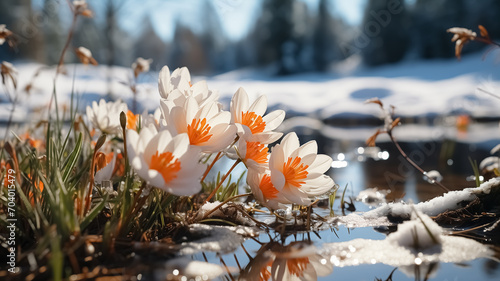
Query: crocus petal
x=239 y=104
x=259 y=106
x=317 y=184
x=311 y=147
x=164 y=85
x=290 y=143
x=274 y=119
x=278 y=179
x=321 y=163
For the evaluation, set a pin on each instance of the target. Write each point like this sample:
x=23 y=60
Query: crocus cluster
x=165 y=149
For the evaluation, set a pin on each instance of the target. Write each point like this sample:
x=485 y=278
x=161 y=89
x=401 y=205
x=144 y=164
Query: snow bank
x=366 y=251
x=192 y=270
x=226 y=211
x=416 y=88
x=217 y=239
x=421 y=232
x=449 y=201
x=417 y=242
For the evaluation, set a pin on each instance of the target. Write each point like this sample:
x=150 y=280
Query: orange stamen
x=166 y=164
x=38 y=186
x=297 y=266
x=132 y=120
x=295 y=171
x=257 y=152
x=119 y=169
x=253 y=121
x=35 y=143
x=32 y=142
x=265 y=274
x=102 y=160
x=267 y=188
x=198 y=131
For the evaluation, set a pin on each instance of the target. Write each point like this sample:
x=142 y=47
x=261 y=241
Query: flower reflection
x=296 y=261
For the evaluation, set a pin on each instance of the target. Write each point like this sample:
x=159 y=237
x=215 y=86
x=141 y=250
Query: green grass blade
x=93 y=213
x=56 y=257
x=72 y=159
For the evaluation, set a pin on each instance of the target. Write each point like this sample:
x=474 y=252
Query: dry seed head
x=85 y=56
x=376 y=101
x=483 y=32
x=141 y=65
x=7 y=70
x=80 y=7
x=4 y=33
x=461 y=36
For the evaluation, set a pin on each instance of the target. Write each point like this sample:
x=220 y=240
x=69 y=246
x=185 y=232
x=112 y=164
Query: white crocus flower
x=166 y=162
x=176 y=87
x=297 y=172
x=206 y=126
x=105 y=164
x=250 y=120
x=263 y=189
x=105 y=116
x=299 y=263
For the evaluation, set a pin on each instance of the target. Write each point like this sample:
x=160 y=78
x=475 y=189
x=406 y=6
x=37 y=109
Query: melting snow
x=217 y=239
x=412 y=244
x=192 y=269
x=365 y=251
x=449 y=201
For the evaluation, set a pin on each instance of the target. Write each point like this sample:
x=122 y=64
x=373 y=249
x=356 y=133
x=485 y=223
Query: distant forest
x=286 y=35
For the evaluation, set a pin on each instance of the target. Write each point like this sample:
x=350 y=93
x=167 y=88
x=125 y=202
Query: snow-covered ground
x=416 y=88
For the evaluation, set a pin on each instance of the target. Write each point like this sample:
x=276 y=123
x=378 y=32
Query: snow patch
x=191 y=269
x=449 y=201
x=226 y=210
x=217 y=239
x=366 y=251
x=421 y=232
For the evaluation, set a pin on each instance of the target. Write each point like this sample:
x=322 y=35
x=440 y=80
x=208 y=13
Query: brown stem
x=487 y=41
x=88 y=198
x=223 y=203
x=217 y=157
x=68 y=41
x=411 y=161
x=61 y=58
x=222 y=180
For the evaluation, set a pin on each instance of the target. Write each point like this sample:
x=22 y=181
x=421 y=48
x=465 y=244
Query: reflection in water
x=296 y=261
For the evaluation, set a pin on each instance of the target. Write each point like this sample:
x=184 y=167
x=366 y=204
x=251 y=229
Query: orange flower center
x=119 y=168
x=198 y=131
x=132 y=120
x=257 y=152
x=295 y=171
x=33 y=142
x=267 y=187
x=253 y=121
x=297 y=266
x=38 y=186
x=265 y=274
x=166 y=165
x=102 y=160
